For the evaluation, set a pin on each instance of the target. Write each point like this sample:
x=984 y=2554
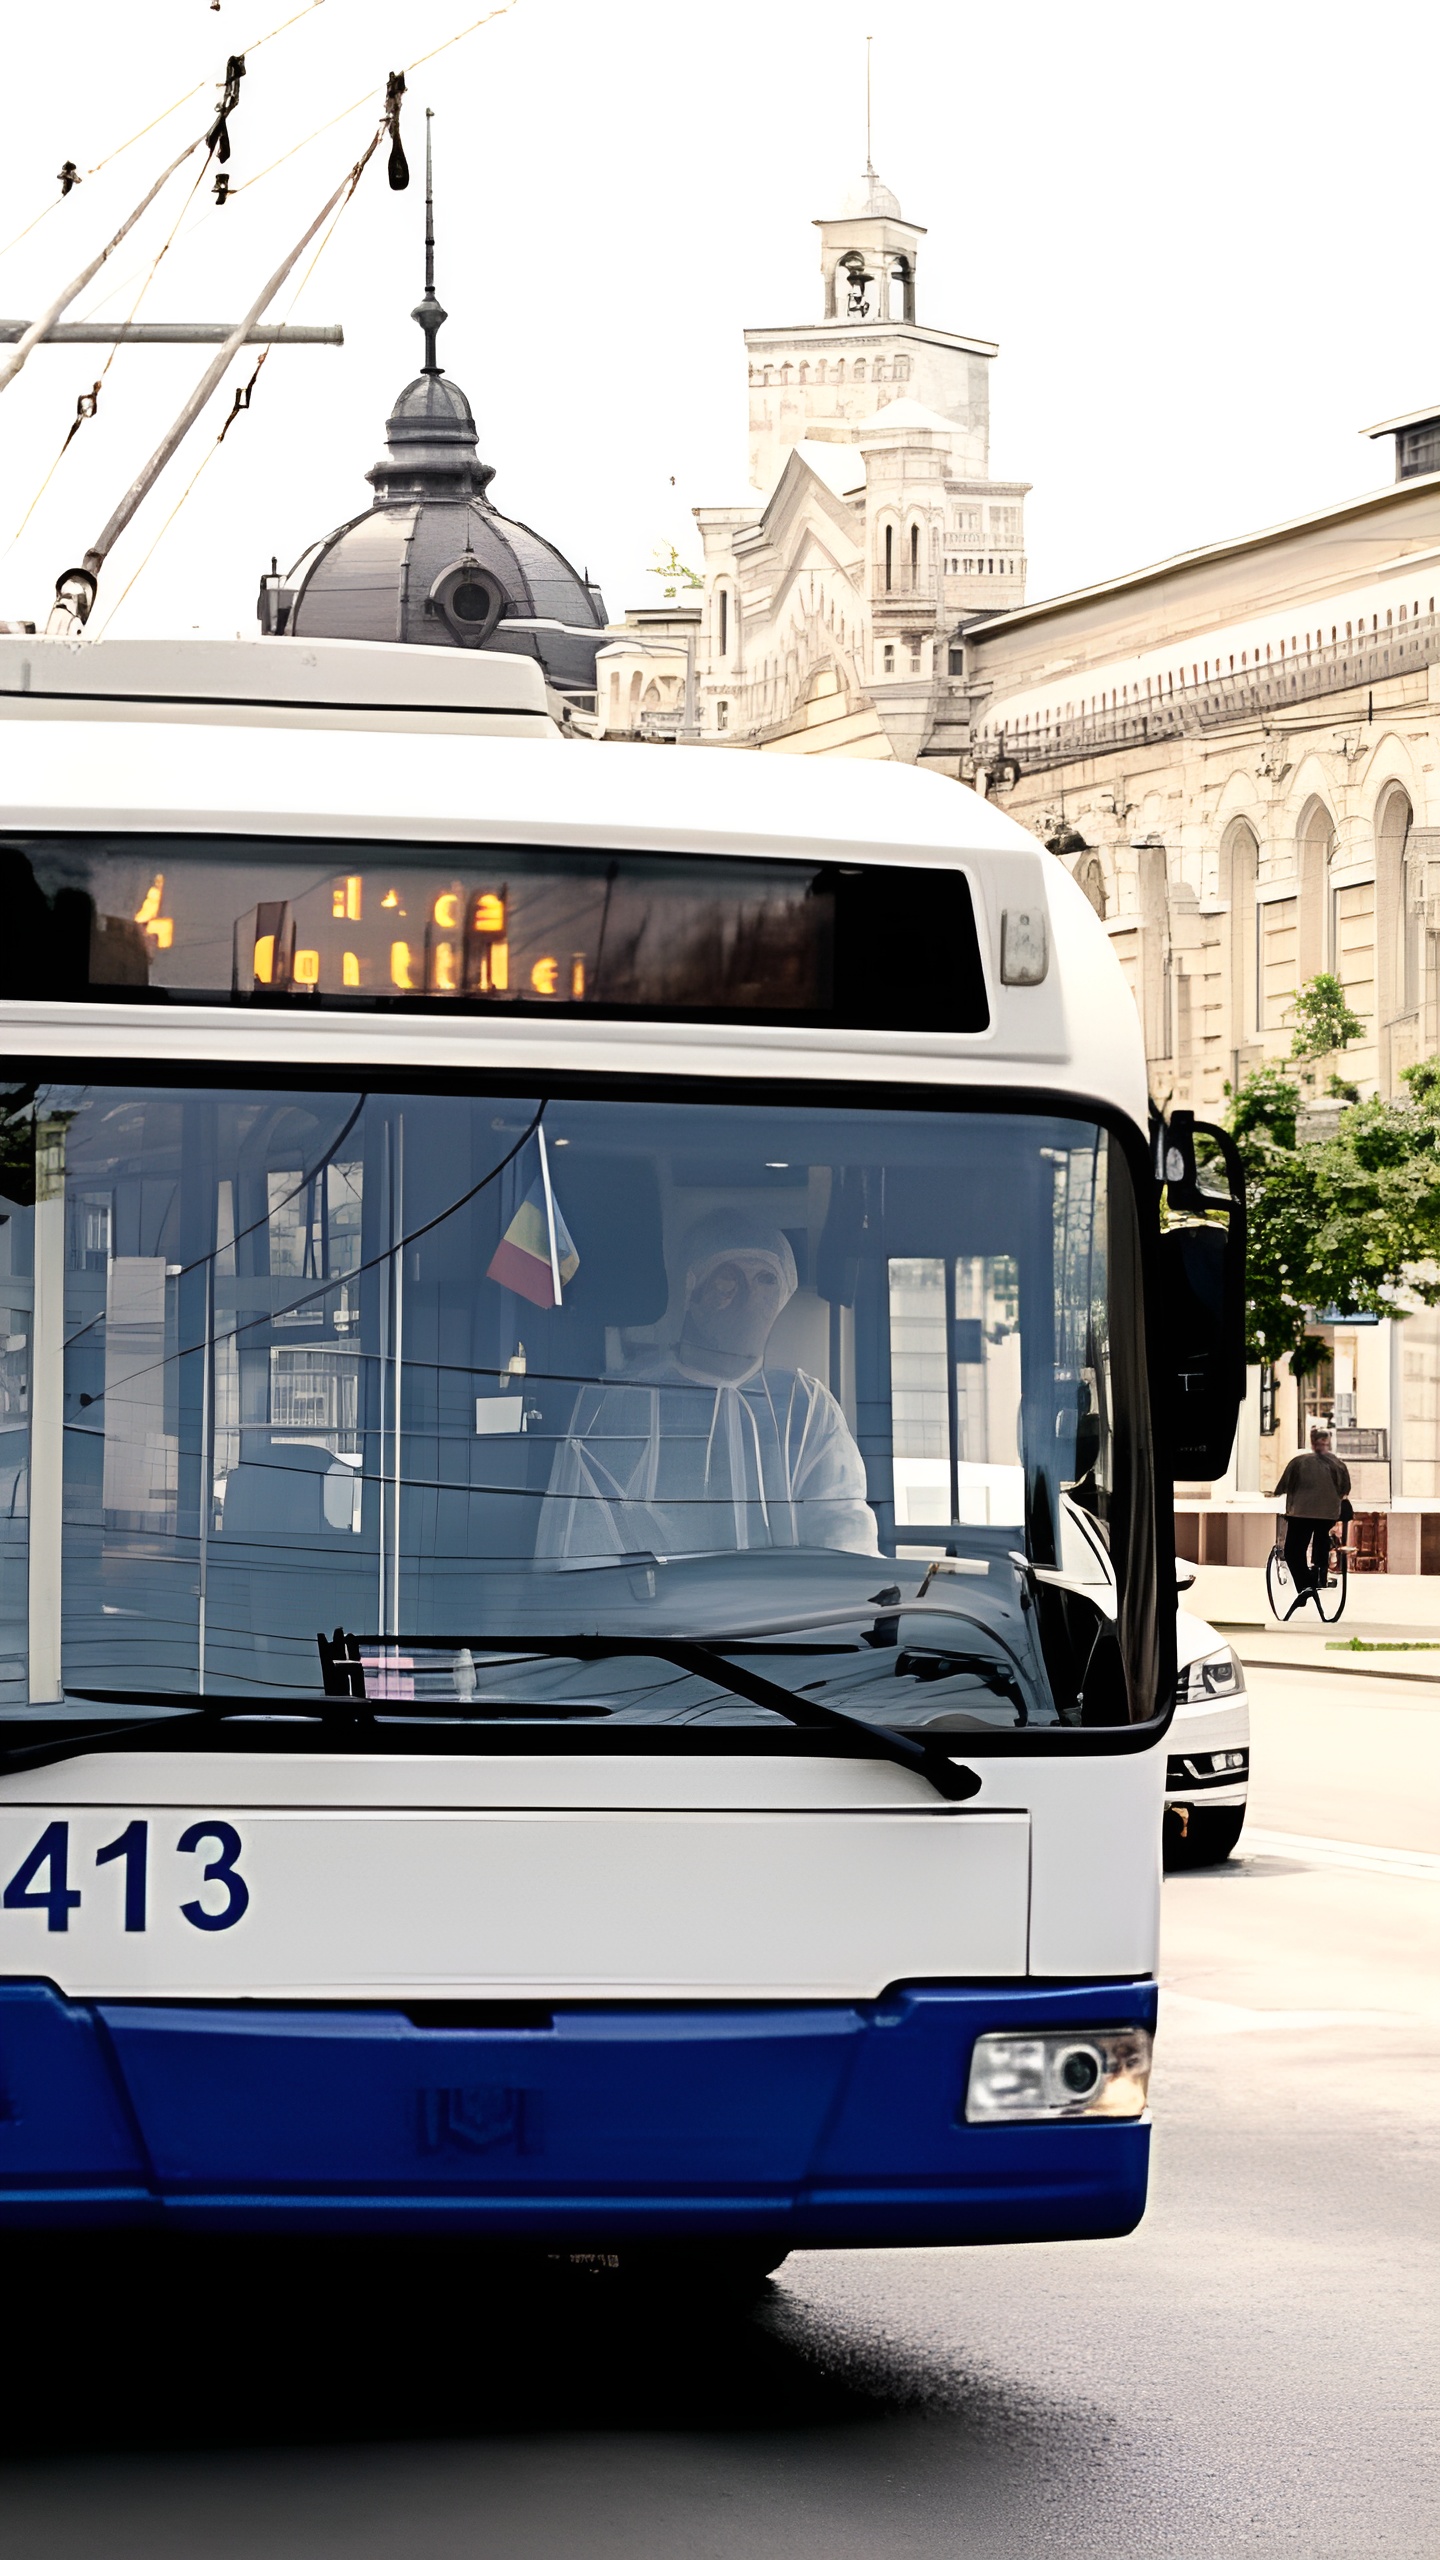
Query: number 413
x=57 y=1897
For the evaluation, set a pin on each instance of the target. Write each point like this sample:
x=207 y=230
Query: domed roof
x=431 y=559
x=870 y=195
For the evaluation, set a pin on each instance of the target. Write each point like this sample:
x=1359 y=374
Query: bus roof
x=272 y=683
x=70 y=771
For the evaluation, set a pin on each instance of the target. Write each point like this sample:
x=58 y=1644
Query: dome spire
x=429 y=312
x=869 y=156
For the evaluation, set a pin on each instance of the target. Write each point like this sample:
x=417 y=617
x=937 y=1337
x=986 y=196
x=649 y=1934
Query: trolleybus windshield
x=450 y=1378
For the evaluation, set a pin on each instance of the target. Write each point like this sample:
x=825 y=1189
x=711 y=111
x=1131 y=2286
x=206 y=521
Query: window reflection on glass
x=484 y=1362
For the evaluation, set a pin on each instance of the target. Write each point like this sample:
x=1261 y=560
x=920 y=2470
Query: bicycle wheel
x=1280 y=1588
x=1331 y=1595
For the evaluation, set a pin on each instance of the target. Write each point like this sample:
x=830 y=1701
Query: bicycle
x=1286 y=1596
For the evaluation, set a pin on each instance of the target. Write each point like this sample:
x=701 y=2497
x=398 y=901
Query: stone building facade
x=1238 y=755
x=835 y=587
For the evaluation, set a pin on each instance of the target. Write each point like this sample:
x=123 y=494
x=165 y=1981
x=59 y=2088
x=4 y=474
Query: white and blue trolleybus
x=594 y=1346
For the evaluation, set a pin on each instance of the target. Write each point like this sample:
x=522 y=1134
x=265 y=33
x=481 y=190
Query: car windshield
x=856 y=1389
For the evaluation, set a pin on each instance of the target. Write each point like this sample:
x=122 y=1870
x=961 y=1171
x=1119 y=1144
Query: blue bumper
x=814 y=2126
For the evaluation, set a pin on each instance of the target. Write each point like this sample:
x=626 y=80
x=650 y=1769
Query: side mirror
x=1202 y=1269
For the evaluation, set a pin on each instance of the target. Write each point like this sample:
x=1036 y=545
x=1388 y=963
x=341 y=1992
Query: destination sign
x=220 y=920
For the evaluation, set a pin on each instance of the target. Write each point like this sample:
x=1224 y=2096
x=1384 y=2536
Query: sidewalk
x=1396 y=1607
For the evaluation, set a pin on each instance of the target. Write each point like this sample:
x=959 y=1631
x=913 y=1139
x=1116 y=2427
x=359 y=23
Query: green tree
x=1323 y=1020
x=1349 y=1219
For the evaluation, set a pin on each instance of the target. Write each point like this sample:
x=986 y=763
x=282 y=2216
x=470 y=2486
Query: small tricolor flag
x=521 y=1260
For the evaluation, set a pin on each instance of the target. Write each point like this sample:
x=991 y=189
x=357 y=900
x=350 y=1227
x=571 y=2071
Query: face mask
x=729 y=1318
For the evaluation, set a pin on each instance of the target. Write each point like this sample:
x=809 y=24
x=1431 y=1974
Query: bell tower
x=868 y=255
x=825 y=380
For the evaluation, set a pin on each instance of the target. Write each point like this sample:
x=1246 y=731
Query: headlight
x=1215 y=1675
x=1059 y=2077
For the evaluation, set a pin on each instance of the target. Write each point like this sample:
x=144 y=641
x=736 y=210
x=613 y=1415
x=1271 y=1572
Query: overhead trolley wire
x=88 y=574
x=399 y=178
x=174 y=107
x=239 y=405
x=502 y=11
x=88 y=402
x=16 y=356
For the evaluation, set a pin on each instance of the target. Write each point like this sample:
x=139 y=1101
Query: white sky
x=1201 y=236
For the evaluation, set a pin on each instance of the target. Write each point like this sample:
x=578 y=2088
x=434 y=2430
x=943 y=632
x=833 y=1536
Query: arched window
x=804 y=375
x=914 y=557
x=1314 y=847
x=877 y=370
x=902 y=368
x=1395 y=889
x=889 y=558
x=722 y=622
x=1090 y=873
x=859 y=374
x=900 y=290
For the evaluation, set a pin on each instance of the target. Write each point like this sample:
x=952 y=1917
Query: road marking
x=1359 y=1855
x=1231 y=2018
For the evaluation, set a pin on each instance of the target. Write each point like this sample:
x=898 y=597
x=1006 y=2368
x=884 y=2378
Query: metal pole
x=383 y=1338
x=690 y=720
x=31 y=333
x=398 y=1196
x=47 y=1412
x=207 y=1467
x=215 y=372
x=169 y=333
x=550 y=1217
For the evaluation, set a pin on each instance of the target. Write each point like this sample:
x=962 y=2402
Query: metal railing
x=906 y=587
x=1251 y=693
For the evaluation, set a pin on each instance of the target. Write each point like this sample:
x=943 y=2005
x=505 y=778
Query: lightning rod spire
x=429 y=312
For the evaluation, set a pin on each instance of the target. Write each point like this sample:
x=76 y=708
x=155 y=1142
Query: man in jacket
x=1313 y=1488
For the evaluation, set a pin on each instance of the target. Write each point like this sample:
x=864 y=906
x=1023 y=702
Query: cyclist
x=1314 y=1488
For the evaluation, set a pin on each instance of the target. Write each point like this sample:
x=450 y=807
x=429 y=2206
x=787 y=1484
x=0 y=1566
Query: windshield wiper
x=343 y=1671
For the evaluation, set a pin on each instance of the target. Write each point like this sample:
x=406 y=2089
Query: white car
x=1207 y=1774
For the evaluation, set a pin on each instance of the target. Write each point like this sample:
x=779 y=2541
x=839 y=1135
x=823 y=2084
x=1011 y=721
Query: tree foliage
x=1347 y=1219
x=1323 y=1020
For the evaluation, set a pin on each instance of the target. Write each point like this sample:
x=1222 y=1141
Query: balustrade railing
x=1342 y=666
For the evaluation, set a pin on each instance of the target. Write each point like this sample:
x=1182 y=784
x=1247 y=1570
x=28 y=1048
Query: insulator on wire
x=85 y=407
x=221 y=188
x=69 y=176
x=397 y=167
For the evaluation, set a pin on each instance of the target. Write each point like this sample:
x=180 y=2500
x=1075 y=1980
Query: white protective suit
x=702 y=1450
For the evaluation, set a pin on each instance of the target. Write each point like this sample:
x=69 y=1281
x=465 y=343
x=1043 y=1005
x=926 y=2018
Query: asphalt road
x=1253 y=2371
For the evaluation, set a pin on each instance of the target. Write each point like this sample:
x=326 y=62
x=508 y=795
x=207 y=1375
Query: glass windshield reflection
x=433 y=1368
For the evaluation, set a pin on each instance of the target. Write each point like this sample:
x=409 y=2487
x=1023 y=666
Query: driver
x=704 y=1449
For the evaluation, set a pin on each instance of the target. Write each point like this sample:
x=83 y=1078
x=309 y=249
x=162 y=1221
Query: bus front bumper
x=814 y=2125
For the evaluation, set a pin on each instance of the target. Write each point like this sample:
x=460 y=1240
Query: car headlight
x=1059 y=2077
x=1215 y=1675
